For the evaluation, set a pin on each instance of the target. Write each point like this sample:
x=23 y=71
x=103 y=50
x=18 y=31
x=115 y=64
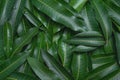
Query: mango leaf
x=17 y=13
x=55 y=66
x=59 y=14
x=23 y=40
x=89 y=34
x=14 y=64
x=117 y=42
x=82 y=48
x=103 y=18
x=22 y=27
x=8 y=39
x=114 y=11
x=5 y=10
x=64 y=50
x=20 y=76
x=86 y=41
x=69 y=7
x=79 y=66
x=78 y=4
x=29 y=15
x=115 y=75
x=41 y=70
x=101 y=71
x=89 y=18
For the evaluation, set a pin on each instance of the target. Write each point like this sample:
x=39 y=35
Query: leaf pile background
x=59 y=39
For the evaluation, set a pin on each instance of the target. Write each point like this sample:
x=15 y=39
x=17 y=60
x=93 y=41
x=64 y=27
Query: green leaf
x=78 y=4
x=90 y=21
x=20 y=76
x=34 y=20
x=22 y=27
x=113 y=75
x=101 y=71
x=14 y=64
x=17 y=13
x=103 y=18
x=88 y=34
x=64 y=50
x=117 y=44
x=41 y=70
x=79 y=66
x=5 y=10
x=82 y=48
x=8 y=39
x=95 y=42
x=55 y=66
x=23 y=40
x=69 y=7
x=114 y=11
x=58 y=13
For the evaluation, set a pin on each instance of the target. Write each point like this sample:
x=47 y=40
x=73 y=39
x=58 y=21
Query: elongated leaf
x=103 y=18
x=82 y=48
x=69 y=7
x=8 y=39
x=25 y=39
x=64 y=51
x=79 y=66
x=20 y=76
x=17 y=13
x=32 y=18
x=89 y=18
x=11 y=67
x=78 y=4
x=42 y=71
x=102 y=58
x=5 y=10
x=88 y=34
x=55 y=66
x=117 y=42
x=117 y=2
x=59 y=14
x=101 y=71
x=86 y=41
x=115 y=75
x=22 y=28
x=114 y=11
